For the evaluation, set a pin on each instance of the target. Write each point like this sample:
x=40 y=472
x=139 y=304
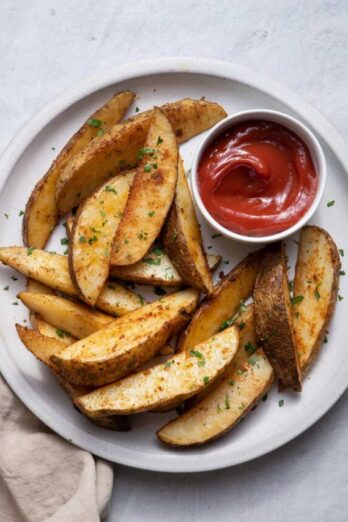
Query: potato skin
x=274 y=324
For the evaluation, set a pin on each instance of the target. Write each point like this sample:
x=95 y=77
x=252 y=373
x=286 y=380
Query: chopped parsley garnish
x=168 y=364
x=242 y=406
x=297 y=299
x=93 y=229
x=110 y=188
x=30 y=250
x=241 y=325
x=147 y=167
x=151 y=213
x=341 y=251
x=214 y=236
x=205 y=379
x=94 y=122
x=159 y=291
x=64 y=241
x=6 y=216
x=226 y=324
x=250 y=348
x=159 y=140
x=137 y=109
x=253 y=360
x=241 y=371
x=325 y=340
x=92 y=240
x=21 y=213
x=145 y=150
x=157 y=250
x=227 y=401
x=331 y=203
x=53 y=148
x=297 y=315
x=61 y=333
x=6 y=287
x=199 y=356
x=265 y=397
x=155 y=166
x=15 y=303
x=291 y=286
x=100 y=132
x=316 y=292
x=126 y=241
x=66 y=252
x=342 y=273
x=142 y=300
x=14 y=278
x=175 y=235
x=340 y=297
x=102 y=213
x=230 y=382
x=152 y=261
x=82 y=239
x=142 y=235
x=281 y=403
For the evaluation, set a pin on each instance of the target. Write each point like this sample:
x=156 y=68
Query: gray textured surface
x=48 y=45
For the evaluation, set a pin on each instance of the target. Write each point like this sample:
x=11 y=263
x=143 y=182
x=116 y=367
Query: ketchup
x=257 y=178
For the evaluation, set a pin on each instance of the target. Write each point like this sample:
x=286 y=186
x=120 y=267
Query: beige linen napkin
x=42 y=476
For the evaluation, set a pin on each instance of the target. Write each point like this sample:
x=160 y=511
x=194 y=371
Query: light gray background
x=45 y=46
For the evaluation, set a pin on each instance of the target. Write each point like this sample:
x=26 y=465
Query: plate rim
x=68 y=97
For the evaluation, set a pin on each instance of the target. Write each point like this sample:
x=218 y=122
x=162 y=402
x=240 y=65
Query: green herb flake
x=159 y=140
x=331 y=203
x=214 y=236
x=147 y=167
x=226 y=324
x=64 y=241
x=21 y=213
x=142 y=300
x=126 y=241
x=241 y=325
x=250 y=348
x=168 y=364
x=227 y=401
x=340 y=297
x=241 y=371
x=6 y=216
x=281 y=403
x=316 y=292
x=291 y=286
x=82 y=239
x=342 y=273
x=66 y=252
x=137 y=109
x=206 y=379
x=297 y=315
x=253 y=360
x=14 y=278
x=94 y=122
x=265 y=397
x=6 y=288
x=145 y=150
x=325 y=340
x=15 y=303
x=111 y=286
x=151 y=213
x=230 y=382
x=92 y=240
x=61 y=333
x=297 y=299
x=152 y=261
x=242 y=406
x=101 y=132
x=30 y=250
x=110 y=188
x=341 y=251
x=175 y=235
x=142 y=235
x=155 y=166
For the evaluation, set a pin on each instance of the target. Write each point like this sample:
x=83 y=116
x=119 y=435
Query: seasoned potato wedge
x=41 y=211
x=150 y=196
x=156 y=269
x=223 y=303
x=182 y=238
x=118 y=148
x=71 y=317
x=274 y=323
x=52 y=270
x=124 y=344
x=44 y=328
x=35 y=287
x=178 y=378
x=315 y=291
x=224 y=407
x=91 y=238
x=42 y=348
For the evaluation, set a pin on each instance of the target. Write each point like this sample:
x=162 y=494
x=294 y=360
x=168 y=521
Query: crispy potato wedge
x=156 y=269
x=91 y=238
x=316 y=280
x=223 y=303
x=52 y=270
x=44 y=328
x=119 y=146
x=274 y=323
x=224 y=407
x=182 y=238
x=178 y=378
x=150 y=196
x=41 y=211
x=42 y=348
x=71 y=317
x=35 y=287
x=124 y=344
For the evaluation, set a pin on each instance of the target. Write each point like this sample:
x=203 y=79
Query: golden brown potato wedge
x=67 y=316
x=315 y=291
x=178 y=378
x=223 y=303
x=52 y=270
x=42 y=348
x=35 y=287
x=224 y=407
x=150 y=196
x=156 y=269
x=124 y=344
x=41 y=211
x=274 y=323
x=91 y=239
x=44 y=328
x=118 y=148
x=182 y=238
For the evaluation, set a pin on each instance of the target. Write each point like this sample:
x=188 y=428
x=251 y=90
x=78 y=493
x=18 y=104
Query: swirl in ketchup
x=257 y=178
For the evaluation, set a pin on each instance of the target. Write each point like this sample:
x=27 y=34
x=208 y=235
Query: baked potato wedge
x=315 y=292
x=118 y=148
x=42 y=348
x=150 y=196
x=67 y=316
x=35 y=287
x=273 y=315
x=182 y=238
x=52 y=270
x=178 y=378
x=41 y=214
x=124 y=344
x=93 y=231
x=217 y=309
x=46 y=329
x=156 y=269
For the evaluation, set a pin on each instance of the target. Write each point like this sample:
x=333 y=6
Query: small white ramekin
x=291 y=123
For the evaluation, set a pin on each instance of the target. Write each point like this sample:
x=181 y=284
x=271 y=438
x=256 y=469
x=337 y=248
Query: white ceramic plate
x=27 y=158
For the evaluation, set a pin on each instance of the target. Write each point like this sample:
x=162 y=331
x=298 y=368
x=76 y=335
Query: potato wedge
x=156 y=269
x=150 y=196
x=67 y=316
x=224 y=407
x=182 y=238
x=118 y=148
x=178 y=378
x=274 y=323
x=223 y=303
x=124 y=344
x=52 y=270
x=91 y=238
x=42 y=348
x=41 y=214
x=35 y=287
x=44 y=328
x=315 y=291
